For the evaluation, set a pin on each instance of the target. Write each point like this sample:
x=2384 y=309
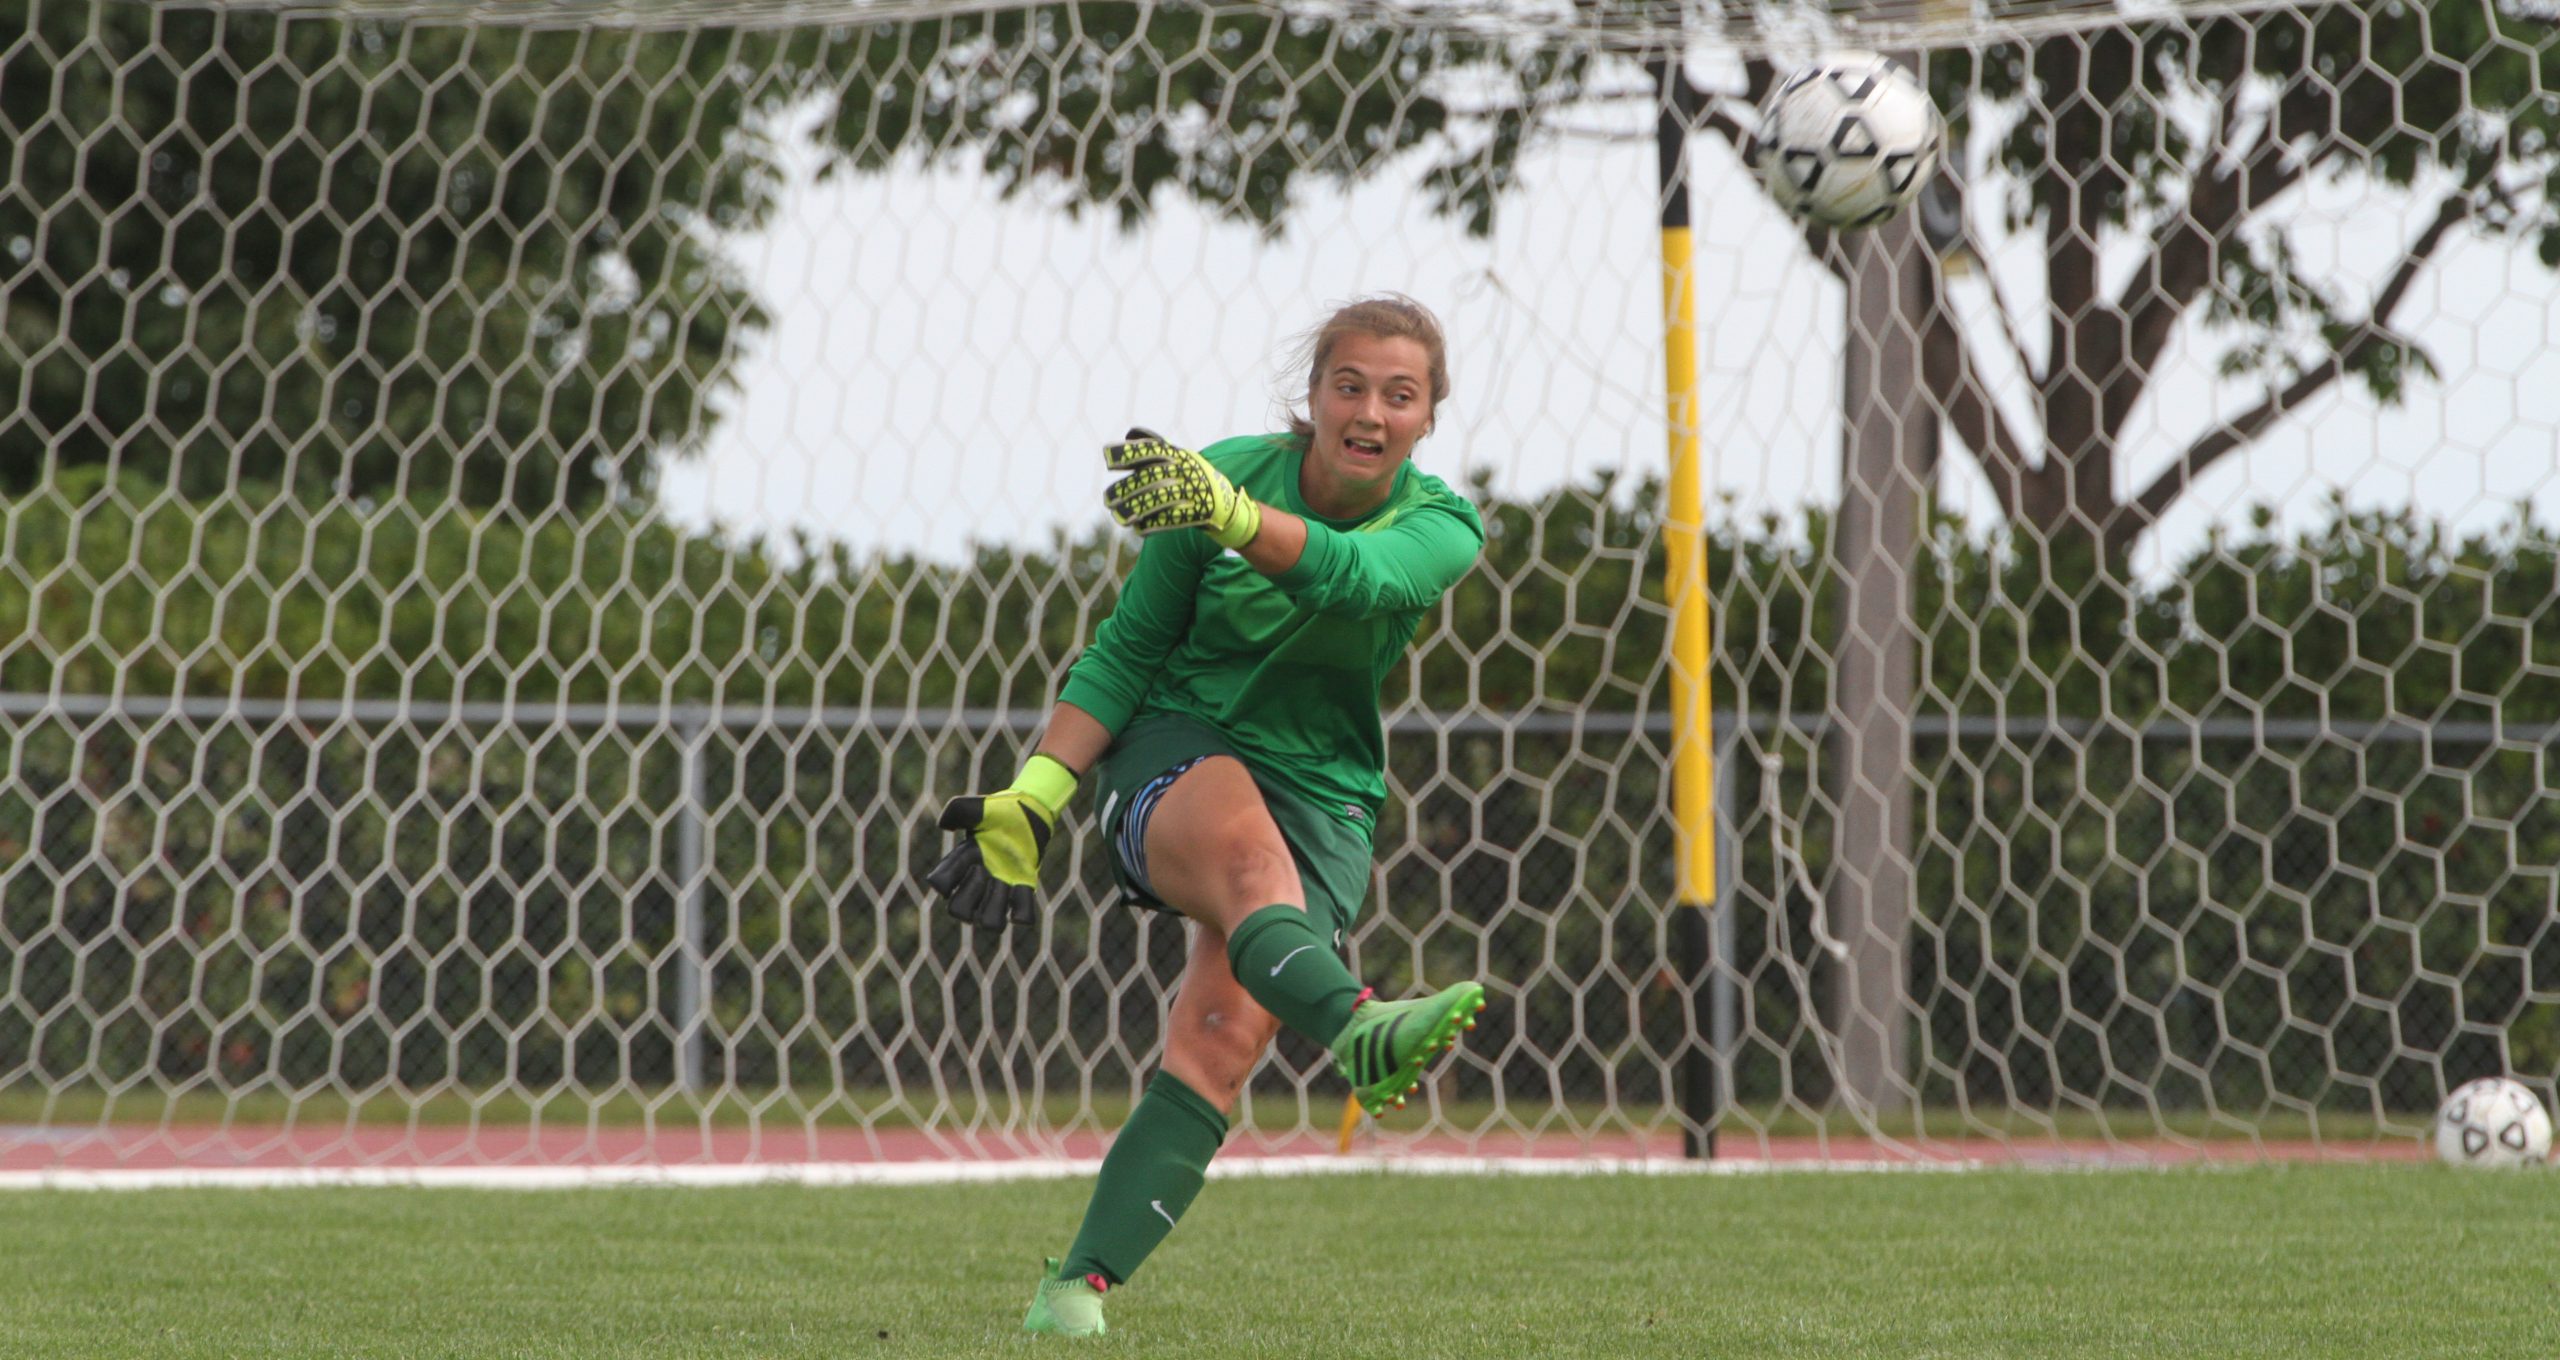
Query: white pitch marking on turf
x=903 y=1173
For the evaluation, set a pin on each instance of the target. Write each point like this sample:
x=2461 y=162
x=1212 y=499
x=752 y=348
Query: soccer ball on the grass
x=1848 y=141
x=2493 y=1122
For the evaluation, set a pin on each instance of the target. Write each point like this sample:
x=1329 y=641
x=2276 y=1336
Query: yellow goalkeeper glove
x=992 y=877
x=1173 y=488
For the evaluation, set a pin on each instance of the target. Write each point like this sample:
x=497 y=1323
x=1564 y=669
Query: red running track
x=204 y=1147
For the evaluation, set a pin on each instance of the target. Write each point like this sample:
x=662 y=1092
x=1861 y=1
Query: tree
x=2175 y=138
x=1105 y=104
x=370 y=257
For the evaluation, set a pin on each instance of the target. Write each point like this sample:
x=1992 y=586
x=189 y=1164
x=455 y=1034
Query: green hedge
x=2137 y=913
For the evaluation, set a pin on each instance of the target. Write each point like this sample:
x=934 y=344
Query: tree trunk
x=1888 y=455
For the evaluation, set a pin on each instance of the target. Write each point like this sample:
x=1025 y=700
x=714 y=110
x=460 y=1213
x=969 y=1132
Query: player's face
x=1371 y=402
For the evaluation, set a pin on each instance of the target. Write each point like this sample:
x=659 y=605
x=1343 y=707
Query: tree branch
x=2174 y=480
x=1724 y=125
x=2184 y=249
x=2008 y=316
x=1599 y=136
x=1947 y=371
x=1549 y=100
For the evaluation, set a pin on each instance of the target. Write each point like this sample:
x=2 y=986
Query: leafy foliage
x=243 y=247
x=1104 y=105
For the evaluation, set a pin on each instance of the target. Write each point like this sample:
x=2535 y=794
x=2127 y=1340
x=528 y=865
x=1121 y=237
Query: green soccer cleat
x=1383 y=1050
x=1066 y=1307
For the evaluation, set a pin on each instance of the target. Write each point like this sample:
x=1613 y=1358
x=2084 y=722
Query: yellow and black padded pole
x=1685 y=586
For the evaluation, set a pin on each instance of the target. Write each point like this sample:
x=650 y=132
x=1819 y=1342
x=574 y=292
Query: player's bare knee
x=1217 y=1055
x=1222 y=1064
x=1227 y=1056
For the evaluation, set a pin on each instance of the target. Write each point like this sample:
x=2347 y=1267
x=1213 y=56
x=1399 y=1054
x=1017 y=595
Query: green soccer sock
x=1288 y=965
x=1152 y=1173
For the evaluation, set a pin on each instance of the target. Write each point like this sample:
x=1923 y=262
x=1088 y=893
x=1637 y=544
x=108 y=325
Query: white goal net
x=513 y=519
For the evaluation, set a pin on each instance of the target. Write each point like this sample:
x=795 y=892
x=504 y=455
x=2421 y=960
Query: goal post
x=512 y=520
x=1685 y=587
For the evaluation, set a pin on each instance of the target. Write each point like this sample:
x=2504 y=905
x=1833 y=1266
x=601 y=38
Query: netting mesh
x=509 y=532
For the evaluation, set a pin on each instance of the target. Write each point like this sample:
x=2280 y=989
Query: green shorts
x=1333 y=854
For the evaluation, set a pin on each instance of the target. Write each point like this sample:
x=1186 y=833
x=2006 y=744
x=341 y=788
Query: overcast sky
x=944 y=365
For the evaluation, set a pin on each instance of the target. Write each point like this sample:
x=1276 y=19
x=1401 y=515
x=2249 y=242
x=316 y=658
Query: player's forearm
x=1150 y=620
x=1365 y=574
x=1075 y=739
x=1278 y=547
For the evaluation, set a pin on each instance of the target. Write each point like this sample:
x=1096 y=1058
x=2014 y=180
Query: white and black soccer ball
x=2494 y=1121
x=1849 y=140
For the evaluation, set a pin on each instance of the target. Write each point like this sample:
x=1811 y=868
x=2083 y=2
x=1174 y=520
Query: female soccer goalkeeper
x=1230 y=703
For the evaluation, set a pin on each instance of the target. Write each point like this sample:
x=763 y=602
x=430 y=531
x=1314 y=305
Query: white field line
x=890 y=1173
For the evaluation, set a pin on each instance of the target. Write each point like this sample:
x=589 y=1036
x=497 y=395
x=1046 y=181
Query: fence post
x=692 y=983
x=1720 y=996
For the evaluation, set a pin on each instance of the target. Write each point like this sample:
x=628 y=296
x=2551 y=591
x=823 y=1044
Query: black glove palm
x=992 y=877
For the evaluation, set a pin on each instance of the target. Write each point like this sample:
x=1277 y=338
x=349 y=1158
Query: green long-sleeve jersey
x=1287 y=667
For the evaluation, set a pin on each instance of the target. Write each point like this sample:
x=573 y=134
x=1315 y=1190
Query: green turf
x=2268 y=1261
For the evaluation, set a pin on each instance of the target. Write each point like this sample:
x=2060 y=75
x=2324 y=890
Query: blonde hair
x=1383 y=316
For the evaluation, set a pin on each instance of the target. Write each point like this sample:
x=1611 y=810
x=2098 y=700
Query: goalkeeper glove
x=1174 y=488
x=992 y=877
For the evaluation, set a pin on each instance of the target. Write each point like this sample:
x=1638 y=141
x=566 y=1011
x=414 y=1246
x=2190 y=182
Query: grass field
x=2266 y=1261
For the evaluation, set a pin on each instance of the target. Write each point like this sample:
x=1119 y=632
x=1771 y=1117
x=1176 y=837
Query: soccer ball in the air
x=1848 y=141
x=2493 y=1122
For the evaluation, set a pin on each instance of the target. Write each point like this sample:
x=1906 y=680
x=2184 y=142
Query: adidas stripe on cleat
x=1387 y=1044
